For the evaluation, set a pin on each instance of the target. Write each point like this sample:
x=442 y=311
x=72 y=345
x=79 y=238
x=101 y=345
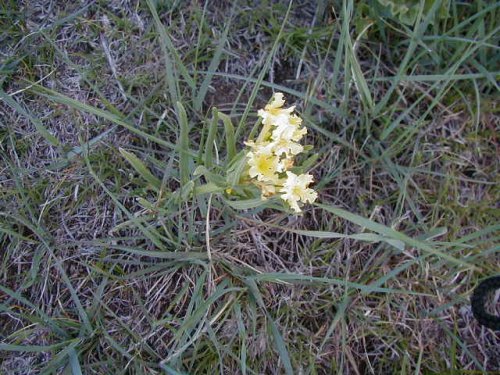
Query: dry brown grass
x=60 y=228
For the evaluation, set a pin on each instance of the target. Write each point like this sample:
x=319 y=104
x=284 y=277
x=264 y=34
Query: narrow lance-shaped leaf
x=183 y=143
x=37 y=123
x=209 y=144
x=276 y=335
x=230 y=137
x=141 y=168
x=391 y=233
x=213 y=64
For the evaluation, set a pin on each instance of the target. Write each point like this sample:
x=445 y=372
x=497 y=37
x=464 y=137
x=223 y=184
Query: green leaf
x=184 y=143
x=207 y=189
x=187 y=190
x=243 y=337
x=392 y=234
x=150 y=233
x=246 y=203
x=230 y=138
x=37 y=123
x=169 y=49
x=209 y=144
x=181 y=255
x=33 y=348
x=171 y=371
x=214 y=64
x=368 y=237
x=263 y=72
x=114 y=118
x=278 y=339
x=408 y=10
x=236 y=168
x=358 y=77
x=198 y=314
x=280 y=345
x=210 y=176
x=141 y=168
x=75 y=364
x=278 y=277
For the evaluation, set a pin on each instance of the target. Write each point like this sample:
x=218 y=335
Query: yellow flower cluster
x=272 y=154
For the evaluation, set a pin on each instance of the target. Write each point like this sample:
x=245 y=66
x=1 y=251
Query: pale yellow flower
x=264 y=164
x=278 y=148
x=299 y=132
x=296 y=190
x=289 y=130
x=273 y=153
x=273 y=114
x=287 y=163
x=283 y=146
x=267 y=189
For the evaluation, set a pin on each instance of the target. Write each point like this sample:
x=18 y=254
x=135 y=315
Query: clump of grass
x=122 y=252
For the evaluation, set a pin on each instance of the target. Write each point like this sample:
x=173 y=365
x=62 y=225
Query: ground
x=119 y=264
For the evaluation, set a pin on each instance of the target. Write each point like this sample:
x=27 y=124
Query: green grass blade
x=230 y=137
x=280 y=346
x=114 y=118
x=236 y=168
x=418 y=32
x=180 y=256
x=243 y=337
x=171 y=371
x=279 y=277
x=202 y=92
x=151 y=234
x=166 y=45
x=263 y=72
x=368 y=237
x=246 y=204
x=281 y=88
x=183 y=144
x=358 y=76
x=43 y=317
x=391 y=233
x=33 y=348
x=197 y=315
x=74 y=362
x=209 y=144
x=37 y=123
x=277 y=338
x=141 y=168
x=45 y=239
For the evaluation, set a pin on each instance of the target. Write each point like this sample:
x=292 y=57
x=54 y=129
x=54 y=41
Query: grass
x=121 y=128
